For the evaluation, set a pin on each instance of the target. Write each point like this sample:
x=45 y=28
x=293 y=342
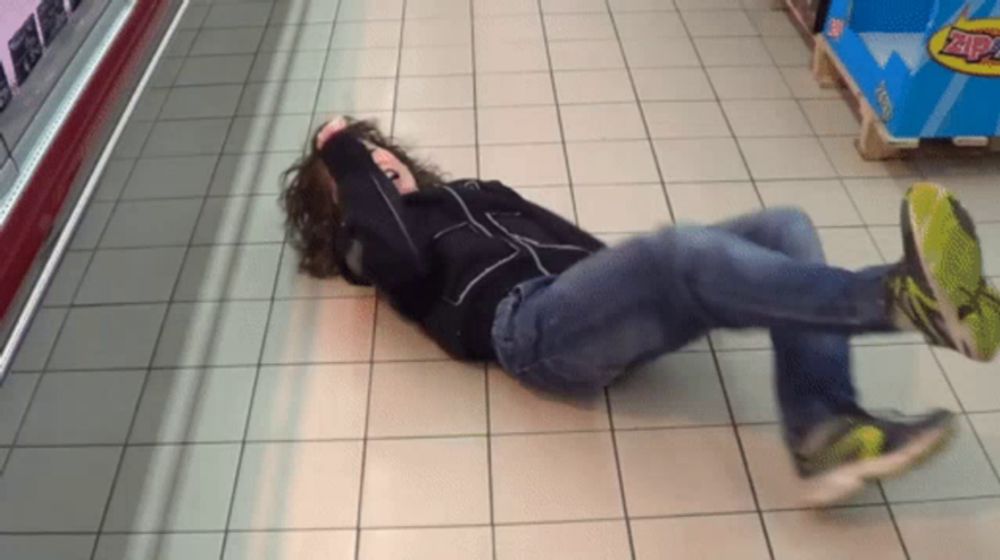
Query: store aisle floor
x=185 y=394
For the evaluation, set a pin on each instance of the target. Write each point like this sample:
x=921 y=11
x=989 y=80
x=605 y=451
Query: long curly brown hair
x=313 y=217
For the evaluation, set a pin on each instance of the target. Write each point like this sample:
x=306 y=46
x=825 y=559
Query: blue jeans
x=578 y=331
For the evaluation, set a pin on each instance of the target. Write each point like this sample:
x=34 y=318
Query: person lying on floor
x=492 y=277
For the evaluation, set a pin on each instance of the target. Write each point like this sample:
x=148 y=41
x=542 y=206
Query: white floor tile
x=613 y=121
x=434 y=92
x=597 y=163
x=82 y=408
x=709 y=203
x=851 y=248
x=357 y=94
x=593 y=86
x=108 y=337
x=173 y=488
x=56 y=489
x=472 y=543
x=589 y=54
x=786 y=158
x=44 y=547
x=672 y=84
x=310 y=402
x=130 y=276
x=711 y=159
x=212 y=334
x=987 y=427
x=668 y=52
x=604 y=540
x=685 y=119
x=398 y=339
x=941 y=530
x=67 y=278
x=559 y=477
x=524 y=166
x=434 y=32
x=151 y=223
x=677 y=390
x=844 y=533
x=427 y=398
x=576 y=27
x=493 y=56
x=766 y=117
x=228 y=272
x=170 y=177
x=517 y=408
x=699 y=537
x=38 y=342
x=960 y=470
x=826 y=202
x=512 y=125
x=651 y=25
x=194 y=405
x=976 y=384
x=732 y=51
x=423 y=482
x=240 y=219
x=831 y=117
x=300 y=331
x=683 y=471
x=363 y=63
x=632 y=208
x=435 y=128
x=728 y=23
x=298 y=486
x=177 y=546
x=748 y=83
x=435 y=61
x=290 y=545
x=365 y=35
x=14 y=400
x=533 y=88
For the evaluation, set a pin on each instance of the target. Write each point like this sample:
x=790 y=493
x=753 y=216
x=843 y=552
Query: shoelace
x=931 y=326
x=983 y=294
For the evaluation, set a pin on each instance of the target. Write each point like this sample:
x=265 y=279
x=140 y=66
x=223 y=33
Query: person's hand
x=329 y=130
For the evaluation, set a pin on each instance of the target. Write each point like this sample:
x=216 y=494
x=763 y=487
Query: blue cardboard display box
x=922 y=69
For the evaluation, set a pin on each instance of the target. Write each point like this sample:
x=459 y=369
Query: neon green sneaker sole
x=942 y=245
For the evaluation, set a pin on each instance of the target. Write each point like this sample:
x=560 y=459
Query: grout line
x=558 y=109
x=547 y=522
x=618 y=469
x=159 y=336
x=397 y=438
x=892 y=518
x=486 y=369
x=638 y=102
x=732 y=131
x=378 y=305
x=743 y=455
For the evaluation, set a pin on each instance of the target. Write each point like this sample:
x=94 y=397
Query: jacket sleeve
x=558 y=226
x=375 y=244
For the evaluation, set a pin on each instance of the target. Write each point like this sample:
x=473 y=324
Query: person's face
x=394 y=169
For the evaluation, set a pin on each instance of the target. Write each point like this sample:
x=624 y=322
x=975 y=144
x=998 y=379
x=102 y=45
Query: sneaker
x=840 y=456
x=939 y=287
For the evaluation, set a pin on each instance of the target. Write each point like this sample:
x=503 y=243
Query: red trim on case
x=32 y=219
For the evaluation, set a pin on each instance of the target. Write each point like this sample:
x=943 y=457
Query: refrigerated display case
x=69 y=70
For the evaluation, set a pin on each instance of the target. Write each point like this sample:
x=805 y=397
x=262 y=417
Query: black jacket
x=446 y=256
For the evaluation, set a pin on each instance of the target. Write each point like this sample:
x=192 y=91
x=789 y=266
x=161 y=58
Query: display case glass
x=48 y=50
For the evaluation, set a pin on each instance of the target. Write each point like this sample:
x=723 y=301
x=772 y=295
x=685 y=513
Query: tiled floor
x=185 y=394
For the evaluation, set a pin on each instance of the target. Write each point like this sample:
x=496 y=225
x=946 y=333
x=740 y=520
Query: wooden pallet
x=875 y=142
